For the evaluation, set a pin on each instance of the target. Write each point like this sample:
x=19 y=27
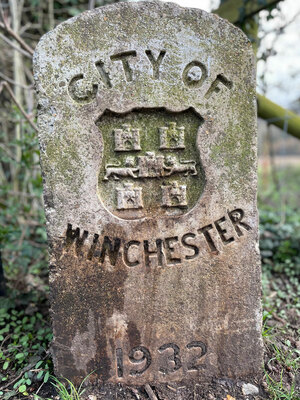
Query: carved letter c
x=87 y=96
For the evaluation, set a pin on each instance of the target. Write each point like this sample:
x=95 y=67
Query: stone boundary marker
x=147 y=120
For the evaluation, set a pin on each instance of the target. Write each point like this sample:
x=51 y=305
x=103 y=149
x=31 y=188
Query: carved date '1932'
x=170 y=363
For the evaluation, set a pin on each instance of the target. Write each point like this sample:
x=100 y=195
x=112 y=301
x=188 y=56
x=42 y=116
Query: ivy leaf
x=22 y=388
x=5 y=365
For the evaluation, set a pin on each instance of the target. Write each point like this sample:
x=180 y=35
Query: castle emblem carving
x=171 y=137
x=129 y=197
x=174 y=195
x=127 y=138
x=152 y=163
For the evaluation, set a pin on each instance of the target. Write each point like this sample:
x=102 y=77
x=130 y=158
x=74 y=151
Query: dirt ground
x=217 y=390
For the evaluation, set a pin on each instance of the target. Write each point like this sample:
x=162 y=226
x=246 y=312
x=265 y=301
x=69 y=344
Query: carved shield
x=151 y=163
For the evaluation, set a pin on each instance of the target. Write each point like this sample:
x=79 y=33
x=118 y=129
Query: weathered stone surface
x=148 y=149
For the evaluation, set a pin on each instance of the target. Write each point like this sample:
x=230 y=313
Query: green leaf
x=1 y=337
x=37 y=365
x=19 y=383
x=19 y=355
x=5 y=365
x=9 y=394
x=46 y=377
x=40 y=374
x=22 y=388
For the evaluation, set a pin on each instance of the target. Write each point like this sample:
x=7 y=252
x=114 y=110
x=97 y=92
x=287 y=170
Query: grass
x=279 y=203
x=282 y=352
x=66 y=390
x=279 y=391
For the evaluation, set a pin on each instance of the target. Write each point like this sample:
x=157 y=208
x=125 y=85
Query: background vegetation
x=25 y=332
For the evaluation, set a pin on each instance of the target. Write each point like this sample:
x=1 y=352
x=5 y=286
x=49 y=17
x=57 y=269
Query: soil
x=225 y=389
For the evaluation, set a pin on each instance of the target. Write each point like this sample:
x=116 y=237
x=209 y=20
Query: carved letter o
x=194 y=74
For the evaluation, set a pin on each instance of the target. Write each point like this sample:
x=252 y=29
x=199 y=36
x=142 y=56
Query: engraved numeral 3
x=174 y=358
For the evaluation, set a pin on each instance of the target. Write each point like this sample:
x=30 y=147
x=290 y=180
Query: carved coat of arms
x=151 y=165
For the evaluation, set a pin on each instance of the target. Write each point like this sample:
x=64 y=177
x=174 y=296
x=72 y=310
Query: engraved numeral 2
x=192 y=366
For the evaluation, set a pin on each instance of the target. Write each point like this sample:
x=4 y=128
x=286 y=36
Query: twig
x=37 y=392
x=14 y=46
x=13 y=381
x=11 y=93
x=4 y=340
x=24 y=27
x=27 y=368
x=9 y=80
x=38 y=245
x=136 y=393
x=3 y=146
x=275 y=316
x=150 y=392
x=4 y=25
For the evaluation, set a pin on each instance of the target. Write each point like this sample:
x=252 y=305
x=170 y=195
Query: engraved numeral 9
x=138 y=355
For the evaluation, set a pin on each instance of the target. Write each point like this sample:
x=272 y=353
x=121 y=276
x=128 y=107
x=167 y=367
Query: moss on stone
x=149 y=121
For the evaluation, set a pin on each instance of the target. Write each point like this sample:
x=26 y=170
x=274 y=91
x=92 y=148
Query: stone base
x=218 y=389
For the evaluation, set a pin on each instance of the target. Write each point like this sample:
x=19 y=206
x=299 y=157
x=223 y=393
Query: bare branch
x=13 y=381
x=6 y=27
x=4 y=148
x=4 y=84
x=150 y=392
x=14 y=46
x=25 y=369
x=9 y=80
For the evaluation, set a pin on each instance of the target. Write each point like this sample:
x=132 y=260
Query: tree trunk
x=279 y=116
